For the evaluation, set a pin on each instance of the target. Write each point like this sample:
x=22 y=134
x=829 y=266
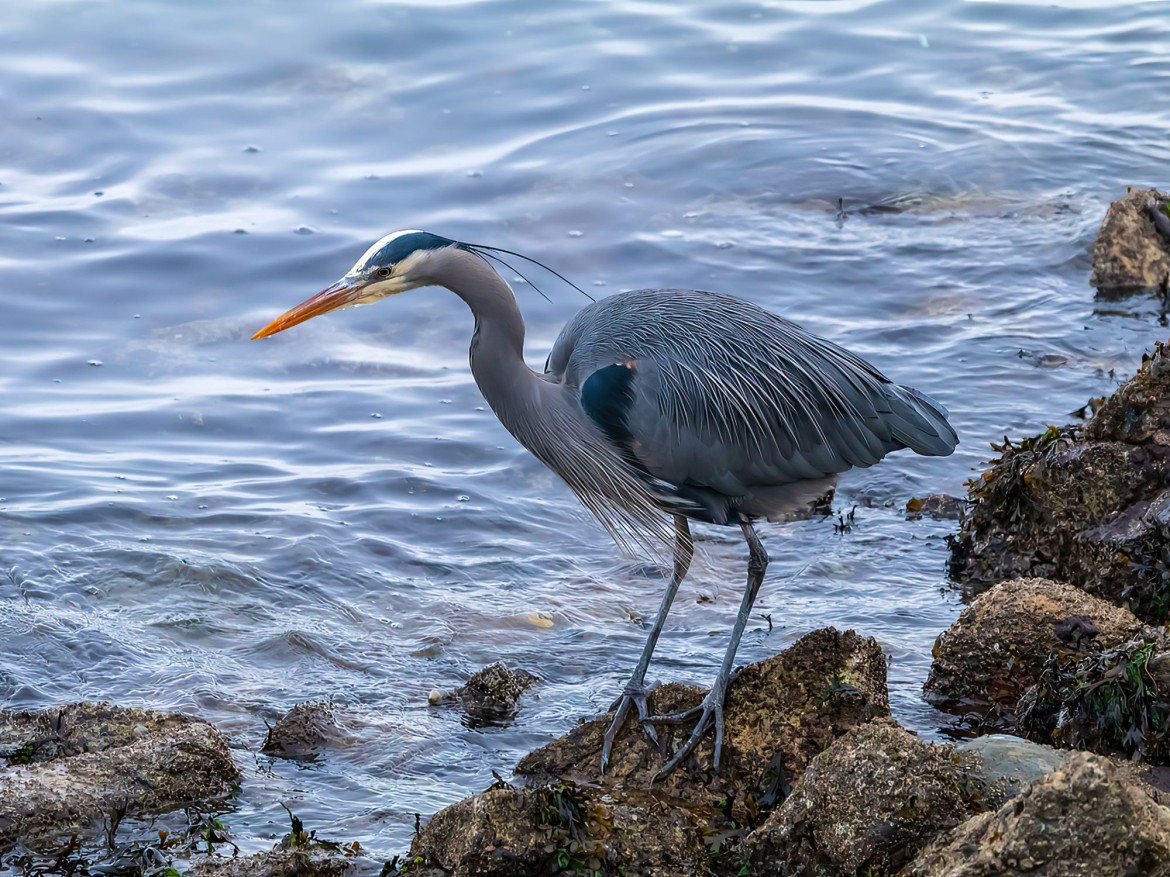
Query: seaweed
x=1110 y=701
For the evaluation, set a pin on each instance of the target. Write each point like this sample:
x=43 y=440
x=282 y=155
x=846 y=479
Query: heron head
x=398 y=262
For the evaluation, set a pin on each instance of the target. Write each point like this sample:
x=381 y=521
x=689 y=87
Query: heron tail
x=920 y=423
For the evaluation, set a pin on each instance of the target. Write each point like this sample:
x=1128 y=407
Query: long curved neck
x=497 y=348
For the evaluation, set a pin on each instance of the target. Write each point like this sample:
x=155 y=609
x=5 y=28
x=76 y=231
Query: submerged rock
x=779 y=714
x=275 y=863
x=73 y=766
x=1081 y=819
x=866 y=805
x=304 y=731
x=1000 y=644
x=1089 y=506
x=1130 y=255
x=491 y=695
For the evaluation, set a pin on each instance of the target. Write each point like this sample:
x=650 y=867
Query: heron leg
x=710 y=711
x=634 y=694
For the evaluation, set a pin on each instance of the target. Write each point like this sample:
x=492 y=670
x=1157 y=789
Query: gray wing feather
x=730 y=396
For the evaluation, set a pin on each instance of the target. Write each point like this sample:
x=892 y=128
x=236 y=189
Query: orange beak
x=343 y=293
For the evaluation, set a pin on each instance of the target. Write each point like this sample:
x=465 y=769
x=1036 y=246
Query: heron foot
x=633 y=696
x=710 y=712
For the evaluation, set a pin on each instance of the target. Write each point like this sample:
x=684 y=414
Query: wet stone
x=1081 y=819
x=304 y=731
x=492 y=694
x=1130 y=255
x=939 y=506
x=1003 y=764
x=1001 y=643
x=70 y=768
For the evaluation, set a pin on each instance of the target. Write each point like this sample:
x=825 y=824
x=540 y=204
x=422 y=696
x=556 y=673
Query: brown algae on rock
x=1089 y=506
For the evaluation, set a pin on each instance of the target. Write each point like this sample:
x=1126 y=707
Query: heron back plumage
x=730 y=402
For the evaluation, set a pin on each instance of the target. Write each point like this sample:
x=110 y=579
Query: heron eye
x=383 y=272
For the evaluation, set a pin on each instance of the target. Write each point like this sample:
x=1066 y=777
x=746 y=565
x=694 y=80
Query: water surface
x=192 y=521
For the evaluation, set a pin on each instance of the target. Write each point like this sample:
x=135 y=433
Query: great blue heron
x=659 y=404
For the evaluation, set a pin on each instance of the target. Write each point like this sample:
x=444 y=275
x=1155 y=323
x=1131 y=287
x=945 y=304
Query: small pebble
x=435 y=697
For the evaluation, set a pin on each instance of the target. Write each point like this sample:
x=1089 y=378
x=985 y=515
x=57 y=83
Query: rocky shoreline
x=1057 y=675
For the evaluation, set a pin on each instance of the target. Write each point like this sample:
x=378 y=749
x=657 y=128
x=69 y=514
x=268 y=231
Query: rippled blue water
x=194 y=521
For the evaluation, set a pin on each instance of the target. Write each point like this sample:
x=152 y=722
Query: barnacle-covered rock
x=1130 y=254
x=1081 y=819
x=491 y=694
x=304 y=731
x=569 y=818
x=866 y=805
x=1088 y=506
x=560 y=828
x=70 y=767
x=1000 y=643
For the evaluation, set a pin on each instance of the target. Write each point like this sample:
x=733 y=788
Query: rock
x=72 y=766
x=1003 y=764
x=1130 y=255
x=1112 y=701
x=491 y=694
x=779 y=713
x=866 y=805
x=1000 y=644
x=940 y=506
x=1081 y=819
x=275 y=863
x=560 y=828
x=299 y=854
x=1087 y=506
x=304 y=731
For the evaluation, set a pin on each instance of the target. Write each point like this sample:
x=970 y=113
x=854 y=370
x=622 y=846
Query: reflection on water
x=193 y=521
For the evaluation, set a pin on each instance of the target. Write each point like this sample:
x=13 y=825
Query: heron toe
x=710 y=712
x=633 y=696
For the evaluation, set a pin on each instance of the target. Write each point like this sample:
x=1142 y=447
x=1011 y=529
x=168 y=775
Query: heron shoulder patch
x=606 y=397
